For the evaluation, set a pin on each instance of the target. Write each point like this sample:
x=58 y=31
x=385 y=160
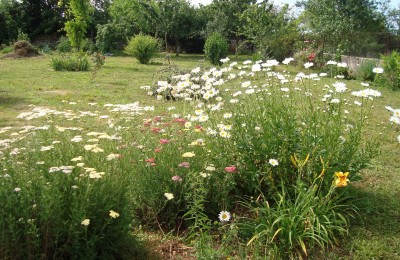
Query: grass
x=374 y=235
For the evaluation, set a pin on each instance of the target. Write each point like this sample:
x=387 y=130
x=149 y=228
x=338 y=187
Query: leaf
x=303 y=246
x=276 y=233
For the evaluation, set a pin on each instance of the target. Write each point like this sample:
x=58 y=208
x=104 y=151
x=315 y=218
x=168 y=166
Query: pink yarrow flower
x=164 y=141
x=184 y=164
x=177 y=178
x=231 y=168
x=150 y=160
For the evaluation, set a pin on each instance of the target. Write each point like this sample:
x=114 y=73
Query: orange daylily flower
x=341 y=179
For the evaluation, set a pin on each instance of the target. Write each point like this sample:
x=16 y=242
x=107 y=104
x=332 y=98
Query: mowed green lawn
x=375 y=234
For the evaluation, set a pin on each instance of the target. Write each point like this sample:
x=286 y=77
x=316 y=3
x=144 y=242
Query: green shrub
x=64 y=45
x=391 y=71
x=364 y=71
x=72 y=62
x=22 y=36
x=46 y=48
x=6 y=49
x=216 y=48
x=142 y=47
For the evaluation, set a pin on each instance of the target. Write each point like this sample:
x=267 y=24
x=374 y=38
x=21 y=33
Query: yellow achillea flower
x=114 y=214
x=341 y=179
x=85 y=222
x=189 y=154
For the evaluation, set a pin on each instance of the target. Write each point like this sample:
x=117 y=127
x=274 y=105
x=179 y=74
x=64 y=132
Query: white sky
x=393 y=3
x=206 y=2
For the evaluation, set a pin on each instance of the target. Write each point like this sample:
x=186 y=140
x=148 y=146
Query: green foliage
x=98 y=60
x=364 y=71
x=45 y=48
x=34 y=18
x=6 y=49
x=22 y=36
x=350 y=27
x=88 y=46
x=292 y=225
x=224 y=17
x=188 y=162
x=391 y=71
x=71 y=62
x=273 y=34
x=76 y=27
x=76 y=30
x=216 y=48
x=142 y=47
x=110 y=36
x=281 y=128
x=64 y=45
x=63 y=211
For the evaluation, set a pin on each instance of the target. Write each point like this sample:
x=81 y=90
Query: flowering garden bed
x=248 y=159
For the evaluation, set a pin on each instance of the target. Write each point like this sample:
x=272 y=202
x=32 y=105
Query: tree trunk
x=166 y=42
x=178 y=46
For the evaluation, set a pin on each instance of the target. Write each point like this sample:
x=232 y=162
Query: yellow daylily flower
x=341 y=179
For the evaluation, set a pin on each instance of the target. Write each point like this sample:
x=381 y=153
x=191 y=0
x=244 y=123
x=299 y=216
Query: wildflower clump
x=272 y=146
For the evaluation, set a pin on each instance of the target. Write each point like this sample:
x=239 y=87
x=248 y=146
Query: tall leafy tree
x=393 y=20
x=344 y=26
x=34 y=17
x=101 y=15
x=223 y=16
x=80 y=12
x=8 y=27
x=170 y=18
x=270 y=29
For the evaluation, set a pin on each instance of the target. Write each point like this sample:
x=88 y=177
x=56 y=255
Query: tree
x=34 y=17
x=393 y=21
x=270 y=29
x=101 y=15
x=172 y=20
x=80 y=12
x=223 y=16
x=339 y=26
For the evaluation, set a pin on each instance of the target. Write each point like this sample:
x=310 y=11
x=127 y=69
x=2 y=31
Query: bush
x=64 y=45
x=46 y=48
x=364 y=71
x=216 y=48
x=391 y=71
x=73 y=62
x=142 y=47
x=6 y=49
x=22 y=36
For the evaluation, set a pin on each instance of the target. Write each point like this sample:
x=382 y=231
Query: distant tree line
x=327 y=26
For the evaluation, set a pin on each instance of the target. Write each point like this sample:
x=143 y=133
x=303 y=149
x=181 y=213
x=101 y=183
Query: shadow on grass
x=10 y=101
x=379 y=213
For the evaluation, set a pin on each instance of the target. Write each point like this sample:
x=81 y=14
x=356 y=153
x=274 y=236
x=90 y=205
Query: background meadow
x=233 y=161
